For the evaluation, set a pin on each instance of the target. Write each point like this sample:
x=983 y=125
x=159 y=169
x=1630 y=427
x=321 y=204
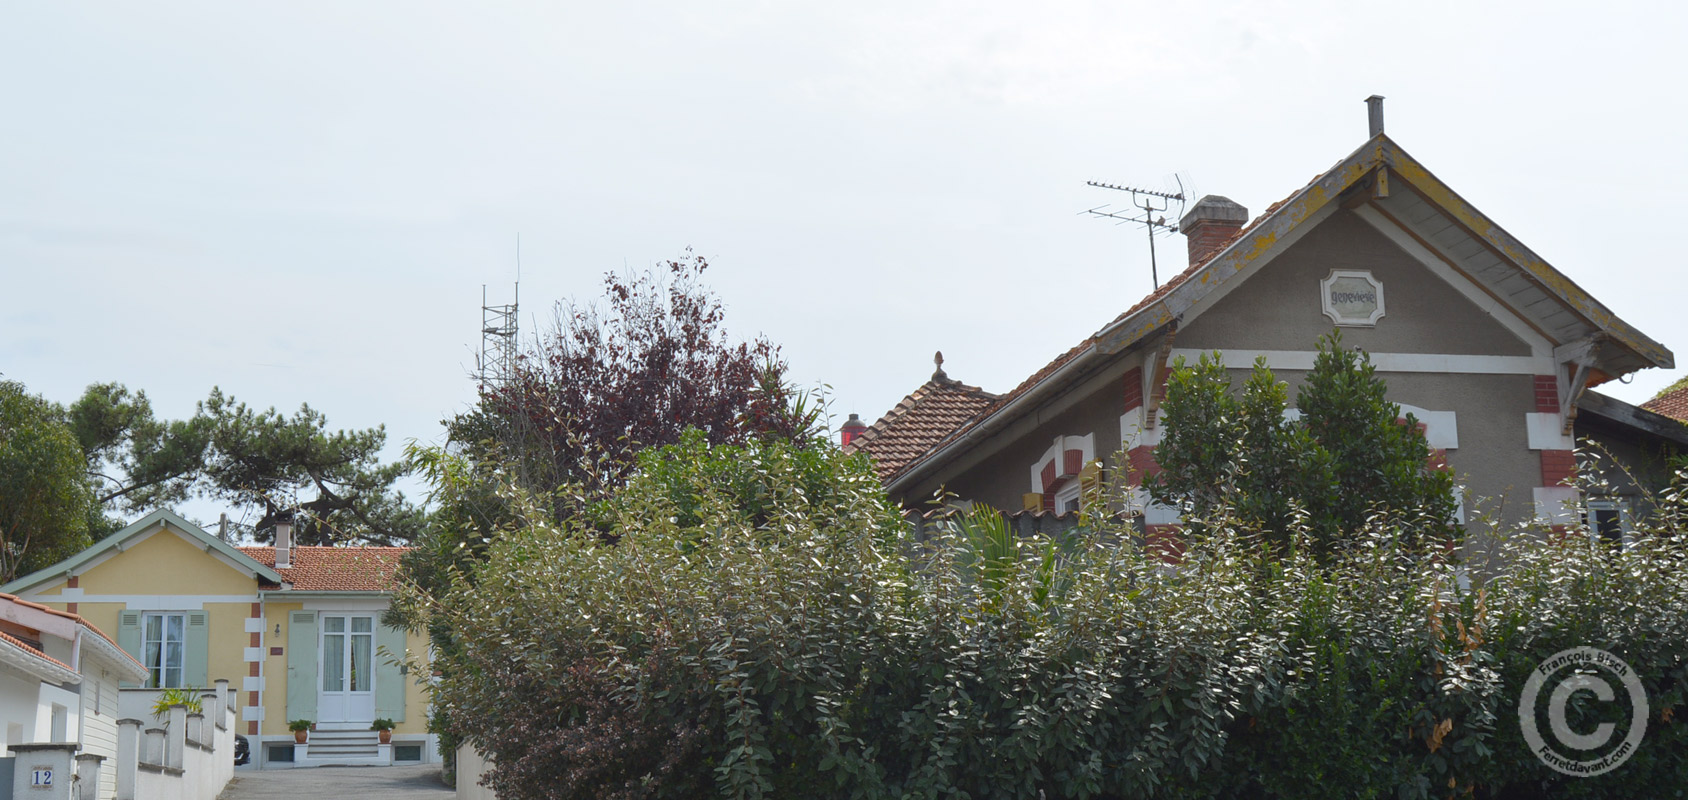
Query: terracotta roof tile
x=31 y=649
x=336 y=569
x=1672 y=402
x=920 y=421
x=67 y=615
x=909 y=460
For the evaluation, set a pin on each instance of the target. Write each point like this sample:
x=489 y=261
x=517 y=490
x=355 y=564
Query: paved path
x=329 y=783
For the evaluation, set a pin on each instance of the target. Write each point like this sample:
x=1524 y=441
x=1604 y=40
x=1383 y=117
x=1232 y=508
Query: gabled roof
x=1420 y=203
x=335 y=569
x=920 y=421
x=119 y=540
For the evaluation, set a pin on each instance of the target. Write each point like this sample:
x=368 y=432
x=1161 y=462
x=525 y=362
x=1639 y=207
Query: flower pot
x=386 y=737
x=299 y=736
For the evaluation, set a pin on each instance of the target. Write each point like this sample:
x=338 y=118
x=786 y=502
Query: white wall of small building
x=19 y=698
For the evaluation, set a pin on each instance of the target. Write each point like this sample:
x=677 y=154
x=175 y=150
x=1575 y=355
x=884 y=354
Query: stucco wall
x=19 y=695
x=1002 y=479
x=139 y=568
x=1278 y=307
x=1494 y=460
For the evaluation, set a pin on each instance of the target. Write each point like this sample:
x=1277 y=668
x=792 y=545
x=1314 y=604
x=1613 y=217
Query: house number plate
x=41 y=778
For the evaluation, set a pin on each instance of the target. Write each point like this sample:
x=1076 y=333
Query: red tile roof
x=1672 y=402
x=336 y=569
x=919 y=422
x=31 y=649
x=67 y=615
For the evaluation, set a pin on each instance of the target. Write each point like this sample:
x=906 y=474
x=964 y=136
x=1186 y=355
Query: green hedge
x=761 y=625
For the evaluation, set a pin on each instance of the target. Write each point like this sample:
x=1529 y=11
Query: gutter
x=44 y=668
x=989 y=426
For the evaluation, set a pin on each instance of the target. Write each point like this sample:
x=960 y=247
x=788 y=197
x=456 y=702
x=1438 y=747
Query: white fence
x=191 y=757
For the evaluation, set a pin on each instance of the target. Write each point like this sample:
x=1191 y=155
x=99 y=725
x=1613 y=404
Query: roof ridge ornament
x=938 y=361
x=1374 y=115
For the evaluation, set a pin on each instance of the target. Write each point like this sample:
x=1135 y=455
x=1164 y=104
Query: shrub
x=764 y=625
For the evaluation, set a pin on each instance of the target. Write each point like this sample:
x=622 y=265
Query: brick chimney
x=851 y=429
x=1209 y=226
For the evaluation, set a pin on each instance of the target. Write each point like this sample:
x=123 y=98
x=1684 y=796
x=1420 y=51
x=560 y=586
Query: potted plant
x=385 y=728
x=299 y=727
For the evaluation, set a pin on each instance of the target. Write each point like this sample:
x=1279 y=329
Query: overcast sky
x=300 y=202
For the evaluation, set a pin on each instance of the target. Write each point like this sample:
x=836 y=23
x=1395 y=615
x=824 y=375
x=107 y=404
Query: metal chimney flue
x=284 y=543
x=1374 y=115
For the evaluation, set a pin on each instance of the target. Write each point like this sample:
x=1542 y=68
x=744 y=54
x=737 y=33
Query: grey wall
x=1005 y=476
x=1494 y=460
x=1278 y=307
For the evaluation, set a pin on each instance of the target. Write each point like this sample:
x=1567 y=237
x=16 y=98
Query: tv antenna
x=497 y=361
x=1150 y=203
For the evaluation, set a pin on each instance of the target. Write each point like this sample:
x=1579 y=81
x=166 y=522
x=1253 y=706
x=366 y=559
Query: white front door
x=347 y=692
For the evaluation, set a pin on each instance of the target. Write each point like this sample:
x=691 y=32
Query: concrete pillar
x=177 y=730
x=88 y=776
x=128 y=757
x=213 y=706
x=196 y=728
x=222 y=690
x=44 y=771
x=154 y=753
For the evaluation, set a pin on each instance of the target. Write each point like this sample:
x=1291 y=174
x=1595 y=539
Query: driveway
x=362 y=783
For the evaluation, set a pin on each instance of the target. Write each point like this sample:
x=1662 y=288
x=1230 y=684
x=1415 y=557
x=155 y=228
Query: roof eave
x=116 y=540
x=1550 y=279
x=41 y=667
x=116 y=655
x=325 y=593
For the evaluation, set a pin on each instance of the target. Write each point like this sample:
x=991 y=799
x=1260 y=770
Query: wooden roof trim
x=1554 y=282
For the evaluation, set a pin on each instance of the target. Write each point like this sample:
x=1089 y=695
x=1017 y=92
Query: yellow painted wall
x=416 y=697
x=226 y=656
x=165 y=563
x=275 y=667
x=103 y=615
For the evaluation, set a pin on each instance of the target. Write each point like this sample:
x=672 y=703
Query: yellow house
x=296 y=629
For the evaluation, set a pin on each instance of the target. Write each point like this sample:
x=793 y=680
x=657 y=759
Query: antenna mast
x=497 y=360
x=1150 y=203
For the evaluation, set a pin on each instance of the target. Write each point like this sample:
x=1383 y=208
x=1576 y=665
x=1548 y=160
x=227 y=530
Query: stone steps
x=326 y=745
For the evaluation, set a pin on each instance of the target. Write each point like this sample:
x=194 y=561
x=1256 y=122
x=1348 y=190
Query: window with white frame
x=1608 y=518
x=164 y=642
x=1069 y=497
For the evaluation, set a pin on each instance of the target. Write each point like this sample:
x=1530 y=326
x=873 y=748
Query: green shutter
x=196 y=650
x=301 y=665
x=129 y=638
x=389 y=680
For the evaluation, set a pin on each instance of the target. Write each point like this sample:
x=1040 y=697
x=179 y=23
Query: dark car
x=242 y=753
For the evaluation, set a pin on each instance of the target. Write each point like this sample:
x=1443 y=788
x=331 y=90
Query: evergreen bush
x=763 y=624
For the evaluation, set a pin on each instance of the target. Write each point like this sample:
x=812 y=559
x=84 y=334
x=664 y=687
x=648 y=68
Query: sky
x=300 y=202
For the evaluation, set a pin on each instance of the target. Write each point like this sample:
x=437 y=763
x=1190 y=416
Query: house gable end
x=165 y=562
x=1277 y=306
x=53 y=578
